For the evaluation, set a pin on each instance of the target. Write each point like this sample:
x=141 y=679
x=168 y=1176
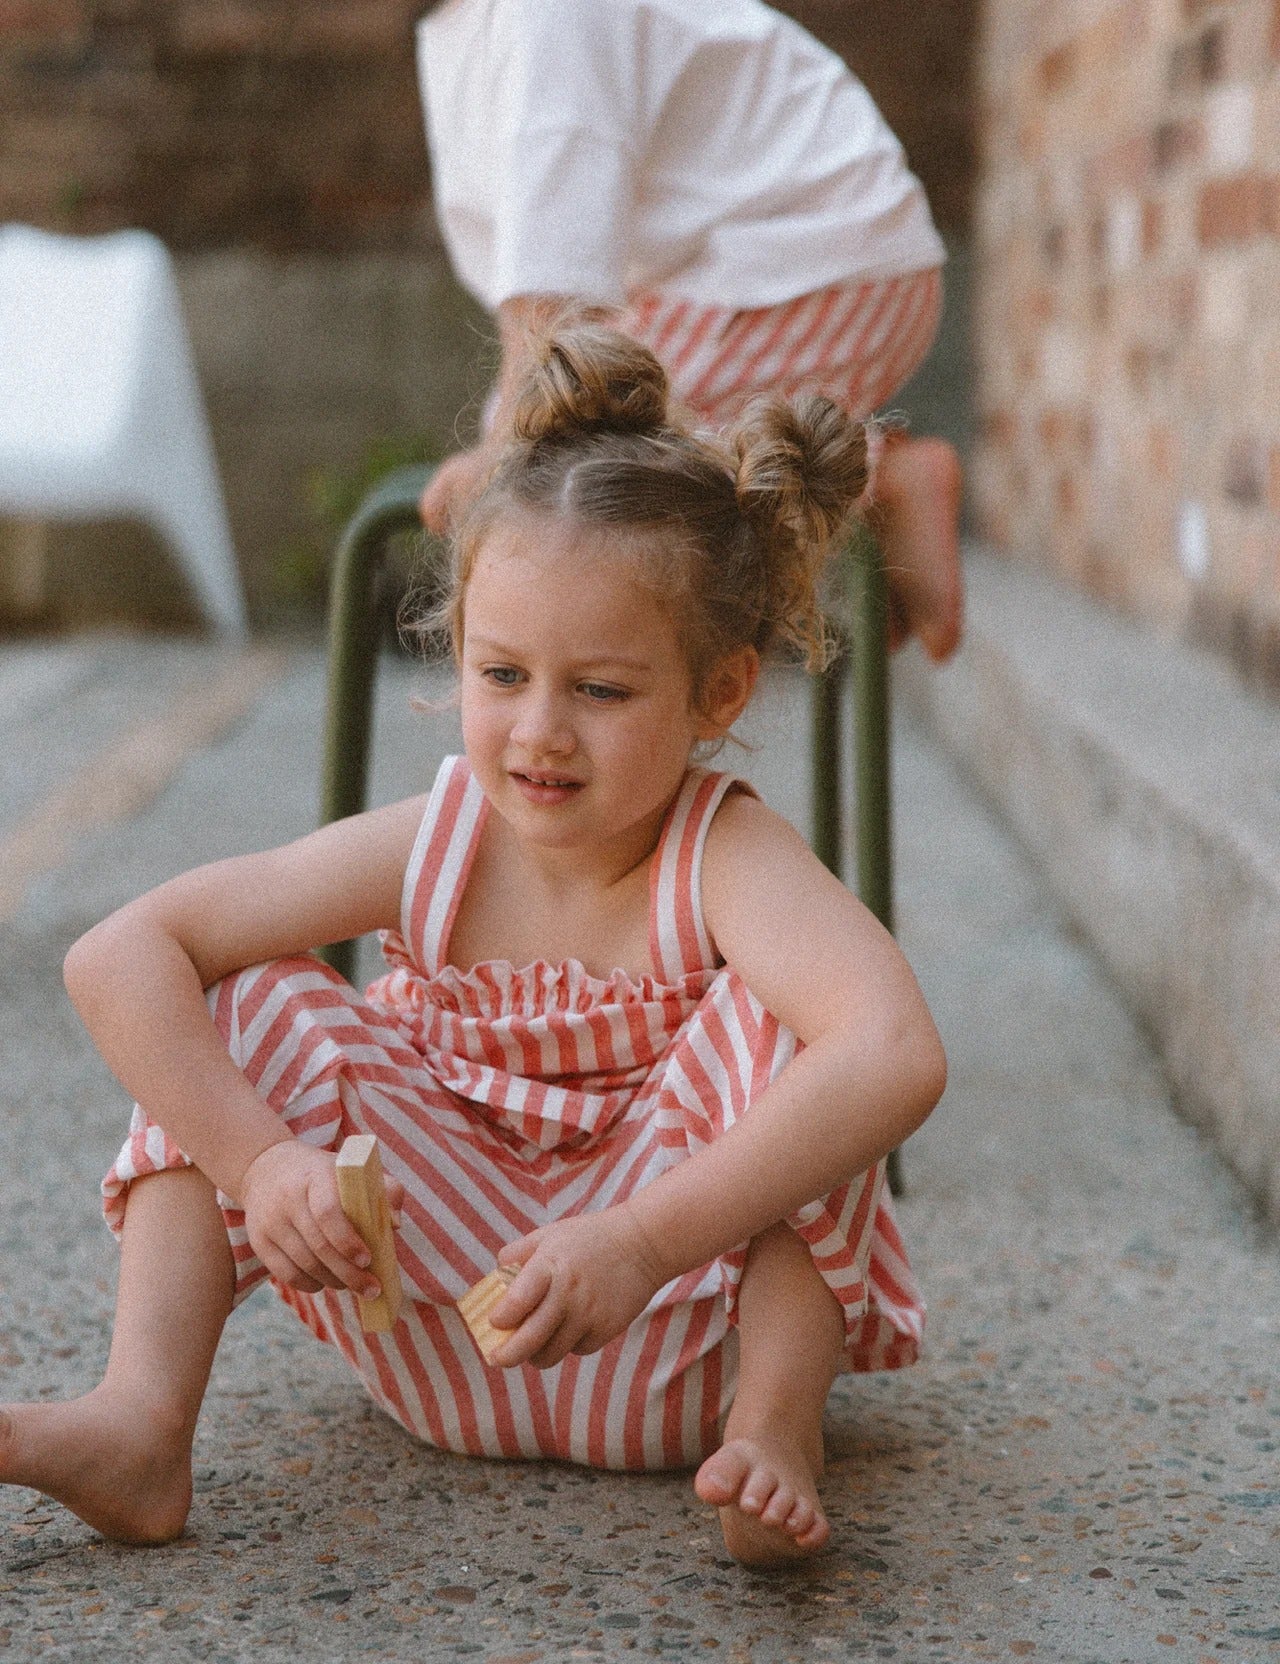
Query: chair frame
x=391 y=509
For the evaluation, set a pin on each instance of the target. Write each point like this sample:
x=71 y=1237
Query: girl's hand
x=296 y=1224
x=581 y=1282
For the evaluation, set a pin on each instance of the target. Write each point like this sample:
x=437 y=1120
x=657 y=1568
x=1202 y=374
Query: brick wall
x=1127 y=262
x=284 y=124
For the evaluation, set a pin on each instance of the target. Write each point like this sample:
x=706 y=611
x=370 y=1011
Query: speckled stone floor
x=1083 y=1469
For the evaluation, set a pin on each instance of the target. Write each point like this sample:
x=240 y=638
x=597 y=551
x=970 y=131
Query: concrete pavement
x=1083 y=1468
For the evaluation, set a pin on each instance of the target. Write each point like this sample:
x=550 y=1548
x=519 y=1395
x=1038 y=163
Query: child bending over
x=633 y=1039
x=724 y=185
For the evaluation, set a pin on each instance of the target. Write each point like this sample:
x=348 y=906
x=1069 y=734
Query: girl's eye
x=503 y=675
x=602 y=692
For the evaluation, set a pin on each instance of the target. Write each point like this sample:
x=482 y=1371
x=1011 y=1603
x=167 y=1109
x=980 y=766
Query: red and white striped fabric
x=857 y=343
x=505 y=1099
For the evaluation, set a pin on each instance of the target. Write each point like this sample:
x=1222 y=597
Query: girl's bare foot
x=765 y=1486
x=916 y=513
x=114 y=1464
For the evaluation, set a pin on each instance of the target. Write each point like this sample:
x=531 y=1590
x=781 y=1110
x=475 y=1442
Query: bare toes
x=759 y=1491
x=780 y=1507
x=765 y=1491
x=721 y=1477
x=815 y=1537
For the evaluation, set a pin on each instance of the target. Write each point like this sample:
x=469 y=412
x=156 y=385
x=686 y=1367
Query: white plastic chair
x=100 y=409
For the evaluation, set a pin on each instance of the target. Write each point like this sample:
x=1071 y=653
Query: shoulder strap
x=678 y=939
x=441 y=859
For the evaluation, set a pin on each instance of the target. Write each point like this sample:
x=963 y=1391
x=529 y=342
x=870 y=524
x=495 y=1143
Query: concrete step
x=1145 y=783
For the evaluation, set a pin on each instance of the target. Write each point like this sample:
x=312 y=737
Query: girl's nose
x=542 y=726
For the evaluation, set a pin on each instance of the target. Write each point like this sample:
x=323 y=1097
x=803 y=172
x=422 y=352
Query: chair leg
x=871 y=732
x=24 y=568
x=871 y=749
x=200 y=539
x=391 y=508
x=825 y=691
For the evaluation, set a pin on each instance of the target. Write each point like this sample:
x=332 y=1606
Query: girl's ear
x=727 y=693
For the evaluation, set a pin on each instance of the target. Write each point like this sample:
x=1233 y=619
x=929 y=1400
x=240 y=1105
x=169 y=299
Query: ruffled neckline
x=495 y=988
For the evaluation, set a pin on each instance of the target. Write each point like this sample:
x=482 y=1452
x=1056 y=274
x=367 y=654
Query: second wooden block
x=478 y=1302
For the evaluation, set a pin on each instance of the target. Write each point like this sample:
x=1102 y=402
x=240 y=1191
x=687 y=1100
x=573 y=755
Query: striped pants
x=857 y=343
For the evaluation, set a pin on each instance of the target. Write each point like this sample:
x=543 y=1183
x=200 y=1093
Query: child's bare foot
x=916 y=513
x=113 y=1464
x=765 y=1486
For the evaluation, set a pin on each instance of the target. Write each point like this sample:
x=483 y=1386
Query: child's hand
x=296 y=1224
x=581 y=1282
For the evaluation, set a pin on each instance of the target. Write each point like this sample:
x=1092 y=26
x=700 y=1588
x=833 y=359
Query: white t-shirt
x=710 y=149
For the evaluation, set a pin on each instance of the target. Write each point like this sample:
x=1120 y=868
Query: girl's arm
x=872 y=1067
x=138 y=981
x=871 y=1070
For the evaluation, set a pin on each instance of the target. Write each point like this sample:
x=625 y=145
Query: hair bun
x=801 y=467
x=589 y=377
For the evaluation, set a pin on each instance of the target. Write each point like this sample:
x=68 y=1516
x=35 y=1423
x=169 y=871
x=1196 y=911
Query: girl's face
x=576 y=698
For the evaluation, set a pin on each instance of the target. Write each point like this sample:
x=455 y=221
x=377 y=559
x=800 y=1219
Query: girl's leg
x=764 y=1477
x=120 y=1457
x=916 y=514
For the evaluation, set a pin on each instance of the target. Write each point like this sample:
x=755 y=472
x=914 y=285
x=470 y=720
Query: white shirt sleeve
x=533 y=116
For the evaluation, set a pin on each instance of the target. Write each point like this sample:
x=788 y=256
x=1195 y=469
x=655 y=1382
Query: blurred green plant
x=300 y=570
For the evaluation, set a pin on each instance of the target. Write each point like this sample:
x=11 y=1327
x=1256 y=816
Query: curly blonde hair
x=733 y=530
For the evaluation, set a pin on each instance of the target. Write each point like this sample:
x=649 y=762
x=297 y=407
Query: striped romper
x=505 y=1099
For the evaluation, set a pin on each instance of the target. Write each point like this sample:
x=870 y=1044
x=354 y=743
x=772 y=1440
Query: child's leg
x=764 y=1476
x=916 y=514
x=120 y=1457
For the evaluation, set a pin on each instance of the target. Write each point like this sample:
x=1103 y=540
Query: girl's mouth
x=546 y=788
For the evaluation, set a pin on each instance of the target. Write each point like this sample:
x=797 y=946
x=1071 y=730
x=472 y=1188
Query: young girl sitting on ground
x=634 y=1039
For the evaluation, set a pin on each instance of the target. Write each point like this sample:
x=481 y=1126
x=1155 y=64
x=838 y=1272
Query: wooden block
x=478 y=1302
x=364 y=1201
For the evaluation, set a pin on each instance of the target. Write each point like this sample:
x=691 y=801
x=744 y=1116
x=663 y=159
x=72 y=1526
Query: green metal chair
x=391 y=509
